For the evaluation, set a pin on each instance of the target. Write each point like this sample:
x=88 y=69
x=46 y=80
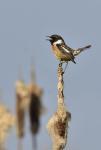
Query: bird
x=62 y=51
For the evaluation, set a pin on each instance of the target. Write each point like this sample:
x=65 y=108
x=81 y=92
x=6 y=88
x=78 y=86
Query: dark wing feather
x=66 y=51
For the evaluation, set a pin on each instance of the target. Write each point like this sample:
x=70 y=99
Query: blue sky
x=23 y=27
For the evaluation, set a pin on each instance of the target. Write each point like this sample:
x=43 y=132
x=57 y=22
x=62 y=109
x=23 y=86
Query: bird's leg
x=60 y=64
x=65 y=67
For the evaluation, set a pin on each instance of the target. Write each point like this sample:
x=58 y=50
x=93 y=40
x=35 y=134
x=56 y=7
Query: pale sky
x=24 y=25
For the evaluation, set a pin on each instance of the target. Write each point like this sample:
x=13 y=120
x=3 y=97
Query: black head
x=54 y=38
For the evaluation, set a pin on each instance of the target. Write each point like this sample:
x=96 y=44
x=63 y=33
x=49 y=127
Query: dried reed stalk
x=7 y=120
x=35 y=110
x=58 y=124
x=20 y=117
x=35 y=107
x=22 y=103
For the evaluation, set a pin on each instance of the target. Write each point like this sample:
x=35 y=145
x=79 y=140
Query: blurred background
x=24 y=25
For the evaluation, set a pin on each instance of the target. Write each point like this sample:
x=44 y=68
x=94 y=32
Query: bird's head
x=55 y=39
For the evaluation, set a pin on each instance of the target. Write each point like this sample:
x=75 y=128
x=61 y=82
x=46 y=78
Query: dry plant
x=7 y=120
x=58 y=124
x=35 y=107
x=22 y=103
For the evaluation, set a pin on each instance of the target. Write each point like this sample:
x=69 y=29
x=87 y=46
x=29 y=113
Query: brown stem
x=58 y=124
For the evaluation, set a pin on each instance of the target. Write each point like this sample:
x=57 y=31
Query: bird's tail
x=79 y=50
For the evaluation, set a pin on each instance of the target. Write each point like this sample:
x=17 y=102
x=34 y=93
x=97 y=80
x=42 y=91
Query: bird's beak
x=48 y=38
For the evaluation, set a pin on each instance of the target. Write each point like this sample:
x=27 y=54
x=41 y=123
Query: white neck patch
x=58 y=42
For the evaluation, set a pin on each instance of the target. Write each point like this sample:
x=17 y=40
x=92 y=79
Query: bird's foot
x=65 y=67
x=60 y=64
